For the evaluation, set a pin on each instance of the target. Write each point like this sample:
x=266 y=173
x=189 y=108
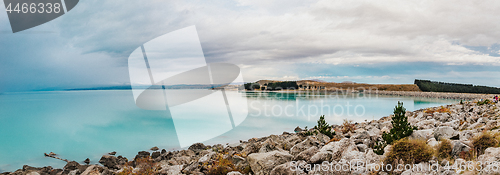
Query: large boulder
x=251 y=147
x=74 y=166
x=425 y=134
x=297 y=129
x=465 y=135
x=372 y=157
x=432 y=142
x=289 y=168
x=264 y=163
x=334 y=151
x=142 y=154
x=491 y=154
x=112 y=162
x=93 y=170
x=426 y=124
x=442 y=117
x=268 y=146
x=170 y=169
x=445 y=132
x=302 y=146
x=294 y=139
x=234 y=173
x=197 y=147
x=362 y=135
x=307 y=154
x=353 y=157
x=322 y=138
x=459 y=147
x=454 y=124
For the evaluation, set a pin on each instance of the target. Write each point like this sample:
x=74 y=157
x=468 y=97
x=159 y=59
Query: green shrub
x=400 y=126
x=409 y=151
x=484 y=102
x=444 y=149
x=323 y=127
x=485 y=140
x=379 y=146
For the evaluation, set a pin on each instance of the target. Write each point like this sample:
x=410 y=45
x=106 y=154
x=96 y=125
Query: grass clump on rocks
x=444 y=149
x=348 y=126
x=223 y=164
x=409 y=151
x=483 y=141
x=145 y=166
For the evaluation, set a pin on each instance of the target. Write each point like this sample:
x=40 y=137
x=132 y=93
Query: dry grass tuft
x=347 y=126
x=146 y=166
x=441 y=109
x=409 y=151
x=444 y=149
x=483 y=141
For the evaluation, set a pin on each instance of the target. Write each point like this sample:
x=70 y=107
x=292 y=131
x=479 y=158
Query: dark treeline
x=283 y=85
x=273 y=86
x=251 y=86
x=435 y=86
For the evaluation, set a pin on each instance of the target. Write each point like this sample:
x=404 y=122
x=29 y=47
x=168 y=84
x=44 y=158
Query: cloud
x=250 y=32
x=268 y=39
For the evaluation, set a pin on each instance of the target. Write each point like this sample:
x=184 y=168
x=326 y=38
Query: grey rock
x=207 y=157
x=142 y=154
x=156 y=154
x=298 y=129
x=307 y=154
x=197 y=147
x=362 y=147
x=445 y=132
x=422 y=134
x=432 y=142
x=289 y=168
x=268 y=146
x=321 y=157
x=154 y=148
x=109 y=161
x=234 y=173
x=458 y=147
x=86 y=161
x=490 y=155
x=263 y=163
x=302 y=146
x=170 y=169
x=362 y=135
x=334 y=151
x=466 y=135
x=454 y=124
x=322 y=138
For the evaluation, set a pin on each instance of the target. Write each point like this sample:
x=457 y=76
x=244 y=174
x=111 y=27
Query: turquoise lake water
x=87 y=124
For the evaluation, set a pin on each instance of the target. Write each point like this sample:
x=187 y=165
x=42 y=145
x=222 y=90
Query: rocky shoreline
x=444 y=95
x=301 y=152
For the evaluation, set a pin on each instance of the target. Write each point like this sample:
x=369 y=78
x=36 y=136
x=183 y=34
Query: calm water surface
x=87 y=124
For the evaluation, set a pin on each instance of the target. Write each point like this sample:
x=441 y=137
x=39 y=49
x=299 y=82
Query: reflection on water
x=87 y=124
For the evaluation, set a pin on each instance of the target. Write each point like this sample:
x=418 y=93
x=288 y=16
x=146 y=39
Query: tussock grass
x=409 y=151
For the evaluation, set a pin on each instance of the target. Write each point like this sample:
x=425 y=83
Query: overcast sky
x=362 y=41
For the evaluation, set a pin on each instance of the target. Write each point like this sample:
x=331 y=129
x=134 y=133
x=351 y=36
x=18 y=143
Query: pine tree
x=400 y=126
x=324 y=127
